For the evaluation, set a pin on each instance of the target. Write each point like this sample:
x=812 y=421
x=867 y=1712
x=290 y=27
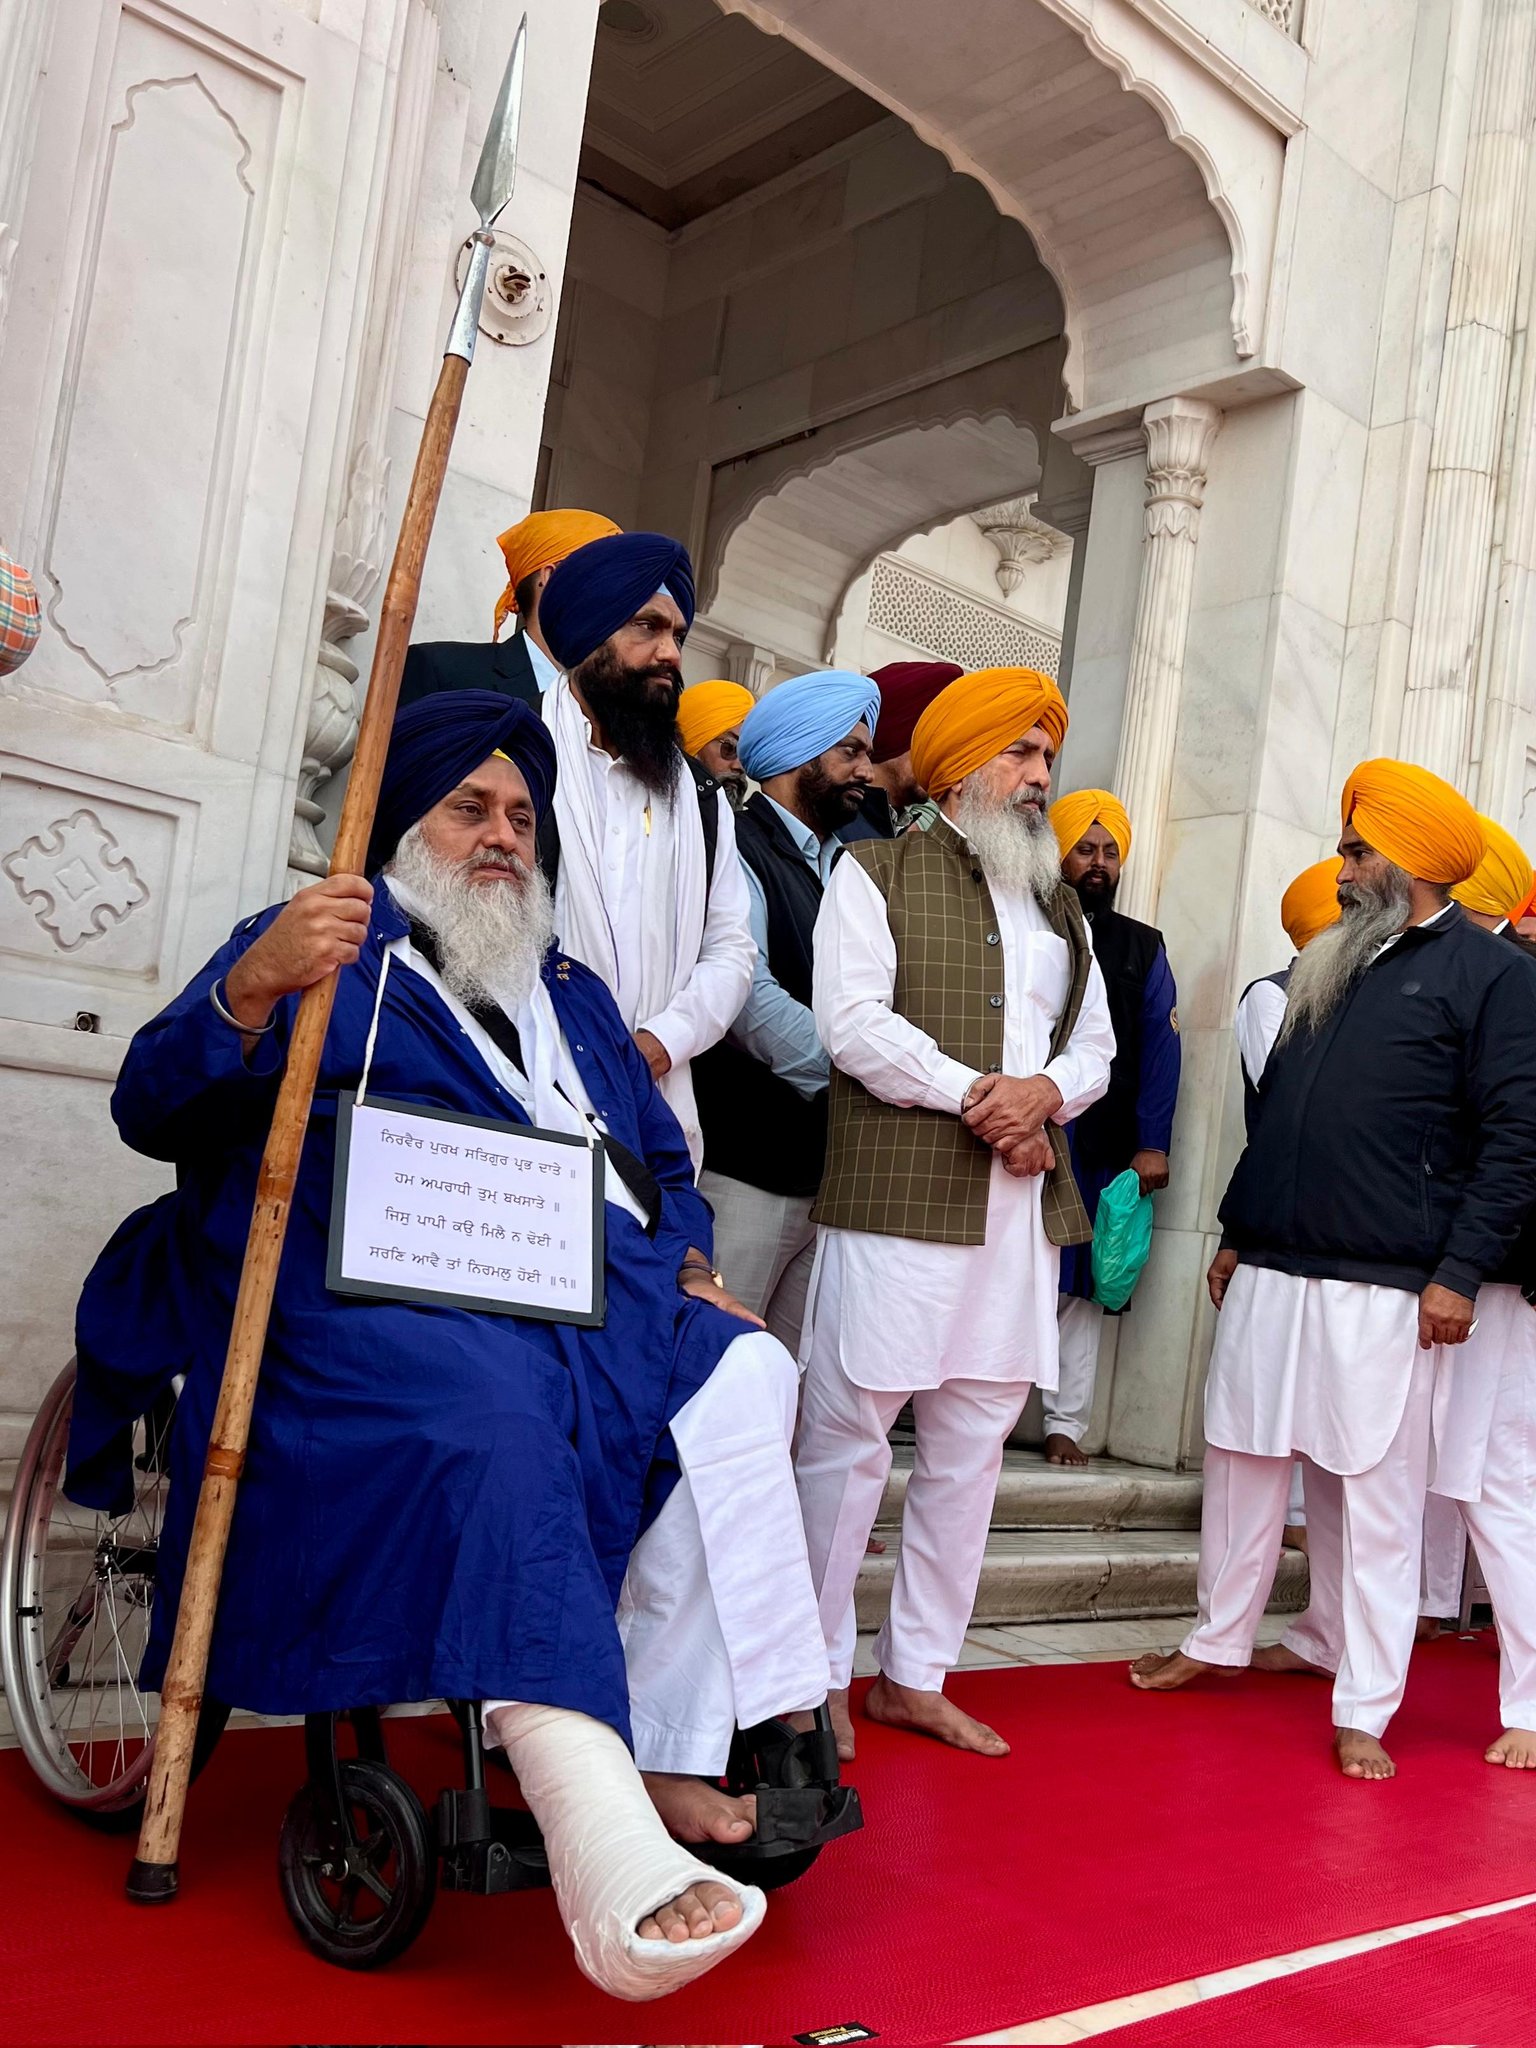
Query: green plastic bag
x=1122 y=1240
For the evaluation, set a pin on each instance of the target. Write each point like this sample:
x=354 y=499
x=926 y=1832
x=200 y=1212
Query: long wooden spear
x=153 y=1876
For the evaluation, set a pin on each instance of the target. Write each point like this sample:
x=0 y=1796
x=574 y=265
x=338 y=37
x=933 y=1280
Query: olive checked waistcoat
x=920 y=1173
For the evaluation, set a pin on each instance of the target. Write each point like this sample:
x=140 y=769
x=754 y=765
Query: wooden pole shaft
x=153 y=1876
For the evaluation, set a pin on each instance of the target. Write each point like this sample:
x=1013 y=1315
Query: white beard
x=491 y=936
x=1324 y=974
x=1014 y=842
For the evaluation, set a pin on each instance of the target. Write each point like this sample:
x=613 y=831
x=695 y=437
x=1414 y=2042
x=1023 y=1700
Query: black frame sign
x=431 y=1205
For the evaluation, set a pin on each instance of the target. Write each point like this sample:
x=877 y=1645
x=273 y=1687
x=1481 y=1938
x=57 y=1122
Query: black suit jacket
x=502 y=665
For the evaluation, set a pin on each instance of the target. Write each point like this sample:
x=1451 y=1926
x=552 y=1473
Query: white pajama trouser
x=1079 y=1326
x=765 y=1245
x=718 y=1614
x=1502 y=1526
x=1445 y=1557
x=1371 y=1555
x=841 y=1467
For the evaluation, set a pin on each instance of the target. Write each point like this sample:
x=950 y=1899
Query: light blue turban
x=802 y=718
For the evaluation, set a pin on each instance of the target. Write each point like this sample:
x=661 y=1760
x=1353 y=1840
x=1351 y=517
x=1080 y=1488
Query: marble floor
x=1069 y=1642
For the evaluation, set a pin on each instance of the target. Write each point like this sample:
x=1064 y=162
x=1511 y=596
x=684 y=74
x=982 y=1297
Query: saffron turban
x=439 y=740
x=800 y=719
x=1501 y=881
x=539 y=542
x=907 y=688
x=705 y=710
x=1311 y=904
x=976 y=718
x=602 y=585
x=1414 y=819
x=1073 y=814
x=1524 y=909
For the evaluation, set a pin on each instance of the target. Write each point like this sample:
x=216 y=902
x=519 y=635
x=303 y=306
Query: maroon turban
x=906 y=688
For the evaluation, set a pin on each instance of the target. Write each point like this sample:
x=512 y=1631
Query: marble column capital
x=1179 y=434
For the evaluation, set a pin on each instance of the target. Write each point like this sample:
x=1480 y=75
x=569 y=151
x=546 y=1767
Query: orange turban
x=705 y=710
x=1501 y=881
x=1414 y=819
x=976 y=717
x=1311 y=903
x=1073 y=814
x=539 y=542
x=1524 y=909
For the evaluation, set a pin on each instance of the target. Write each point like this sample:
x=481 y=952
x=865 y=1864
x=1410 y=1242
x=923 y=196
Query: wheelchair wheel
x=76 y=1589
x=363 y=1904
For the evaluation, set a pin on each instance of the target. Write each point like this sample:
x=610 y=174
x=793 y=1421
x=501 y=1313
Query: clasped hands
x=1009 y=1114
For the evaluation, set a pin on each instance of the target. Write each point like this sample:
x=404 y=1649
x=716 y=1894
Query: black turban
x=439 y=740
x=601 y=586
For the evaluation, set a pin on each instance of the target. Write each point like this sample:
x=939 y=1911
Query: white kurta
x=1319 y=1367
x=631 y=903
x=909 y=1315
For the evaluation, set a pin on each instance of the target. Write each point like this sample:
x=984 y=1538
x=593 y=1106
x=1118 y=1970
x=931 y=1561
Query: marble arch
x=780 y=571
x=1150 y=188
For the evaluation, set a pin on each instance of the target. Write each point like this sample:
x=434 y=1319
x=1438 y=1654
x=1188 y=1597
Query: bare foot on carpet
x=1426 y=1628
x=695 y=1914
x=1515 y=1750
x=696 y=1811
x=1061 y=1450
x=1156 y=1672
x=1294 y=1537
x=842 y=1724
x=1278 y=1658
x=1361 y=1756
x=930 y=1713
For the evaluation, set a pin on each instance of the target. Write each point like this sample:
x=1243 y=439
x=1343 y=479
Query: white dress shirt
x=913 y=1315
x=545 y=671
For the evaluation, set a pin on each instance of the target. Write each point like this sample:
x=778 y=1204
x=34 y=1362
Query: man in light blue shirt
x=762 y=1094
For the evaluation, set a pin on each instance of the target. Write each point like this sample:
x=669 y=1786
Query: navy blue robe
x=436 y=1502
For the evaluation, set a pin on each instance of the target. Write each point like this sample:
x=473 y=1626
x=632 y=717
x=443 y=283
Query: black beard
x=1095 y=893
x=828 y=805
x=641 y=722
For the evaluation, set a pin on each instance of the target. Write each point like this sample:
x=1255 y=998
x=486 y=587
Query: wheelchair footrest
x=791 y=1818
x=487 y=1849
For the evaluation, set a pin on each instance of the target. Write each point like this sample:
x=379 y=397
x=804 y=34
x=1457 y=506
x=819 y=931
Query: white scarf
x=668 y=916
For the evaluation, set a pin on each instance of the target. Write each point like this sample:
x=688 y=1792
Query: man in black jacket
x=523 y=666
x=1389 y=1176
x=762 y=1092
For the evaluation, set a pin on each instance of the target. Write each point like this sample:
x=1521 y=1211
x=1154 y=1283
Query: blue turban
x=439 y=740
x=800 y=719
x=601 y=586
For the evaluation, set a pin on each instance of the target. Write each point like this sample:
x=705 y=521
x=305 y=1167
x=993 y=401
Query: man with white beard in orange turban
x=1371 y=1220
x=956 y=993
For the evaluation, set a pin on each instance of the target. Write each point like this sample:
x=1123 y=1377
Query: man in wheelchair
x=594 y=1530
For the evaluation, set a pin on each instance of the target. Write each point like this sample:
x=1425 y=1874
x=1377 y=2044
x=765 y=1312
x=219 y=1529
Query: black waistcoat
x=1281 y=978
x=1104 y=1136
x=756 y=1127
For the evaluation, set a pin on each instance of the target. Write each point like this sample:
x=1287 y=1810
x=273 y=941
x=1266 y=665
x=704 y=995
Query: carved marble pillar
x=359 y=547
x=750 y=665
x=1179 y=434
x=1449 y=607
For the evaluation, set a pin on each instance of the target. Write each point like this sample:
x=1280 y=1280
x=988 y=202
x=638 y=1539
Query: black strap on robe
x=504 y=1035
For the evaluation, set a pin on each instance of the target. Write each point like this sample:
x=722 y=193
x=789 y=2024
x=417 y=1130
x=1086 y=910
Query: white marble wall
x=191 y=239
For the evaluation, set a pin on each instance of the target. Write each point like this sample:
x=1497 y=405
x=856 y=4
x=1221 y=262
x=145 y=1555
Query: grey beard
x=1324 y=974
x=1014 y=842
x=491 y=936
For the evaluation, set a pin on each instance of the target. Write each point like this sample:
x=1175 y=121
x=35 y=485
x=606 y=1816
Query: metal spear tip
x=496 y=172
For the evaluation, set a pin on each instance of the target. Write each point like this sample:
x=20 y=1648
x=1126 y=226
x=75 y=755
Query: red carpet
x=1475 y=1983
x=1129 y=1841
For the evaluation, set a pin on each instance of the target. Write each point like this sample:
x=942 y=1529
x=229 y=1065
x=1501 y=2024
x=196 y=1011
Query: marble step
x=1105 y=1494
x=1079 y=1575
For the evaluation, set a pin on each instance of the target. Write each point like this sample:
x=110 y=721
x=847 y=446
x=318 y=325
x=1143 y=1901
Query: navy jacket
x=438 y=1502
x=1397 y=1146
x=501 y=665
